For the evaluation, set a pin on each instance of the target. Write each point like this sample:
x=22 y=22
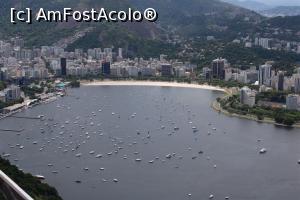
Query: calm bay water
x=139 y=123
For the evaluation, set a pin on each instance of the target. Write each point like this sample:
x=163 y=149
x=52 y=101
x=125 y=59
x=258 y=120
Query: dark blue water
x=138 y=123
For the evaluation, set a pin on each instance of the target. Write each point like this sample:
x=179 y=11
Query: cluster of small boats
x=73 y=137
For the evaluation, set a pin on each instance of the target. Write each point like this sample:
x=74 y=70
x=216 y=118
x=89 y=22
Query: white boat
x=138 y=160
x=40 y=177
x=168 y=156
x=263 y=150
x=6 y=155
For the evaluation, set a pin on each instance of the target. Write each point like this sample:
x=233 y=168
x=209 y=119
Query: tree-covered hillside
x=34 y=187
x=46 y=33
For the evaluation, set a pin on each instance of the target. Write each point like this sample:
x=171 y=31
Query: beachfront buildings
x=22 y=65
x=296 y=78
x=218 y=68
x=293 y=102
x=2 y=96
x=10 y=93
x=247 y=96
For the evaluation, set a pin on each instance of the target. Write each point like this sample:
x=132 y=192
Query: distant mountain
x=202 y=17
x=186 y=19
x=288 y=22
x=99 y=34
x=281 y=11
x=250 y=4
x=192 y=18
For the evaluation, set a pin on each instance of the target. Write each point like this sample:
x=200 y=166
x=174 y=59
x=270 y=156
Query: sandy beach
x=152 y=83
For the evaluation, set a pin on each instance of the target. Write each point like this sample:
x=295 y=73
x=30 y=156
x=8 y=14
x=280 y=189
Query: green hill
x=45 y=33
x=193 y=18
x=202 y=17
x=35 y=188
x=184 y=18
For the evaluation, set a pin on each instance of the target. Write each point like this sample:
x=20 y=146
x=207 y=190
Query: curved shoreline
x=153 y=83
x=217 y=107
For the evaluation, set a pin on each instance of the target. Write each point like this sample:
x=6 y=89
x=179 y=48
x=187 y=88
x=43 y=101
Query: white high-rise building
x=247 y=96
x=288 y=46
x=120 y=53
x=297 y=83
x=248 y=44
x=2 y=96
x=292 y=102
x=228 y=74
x=265 y=74
x=256 y=41
x=132 y=71
x=12 y=93
x=264 y=43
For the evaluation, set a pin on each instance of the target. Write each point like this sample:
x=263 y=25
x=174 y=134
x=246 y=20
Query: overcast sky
x=281 y=2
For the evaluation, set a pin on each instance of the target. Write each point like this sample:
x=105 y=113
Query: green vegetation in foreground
x=2 y=196
x=279 y=115
x=34 y=187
